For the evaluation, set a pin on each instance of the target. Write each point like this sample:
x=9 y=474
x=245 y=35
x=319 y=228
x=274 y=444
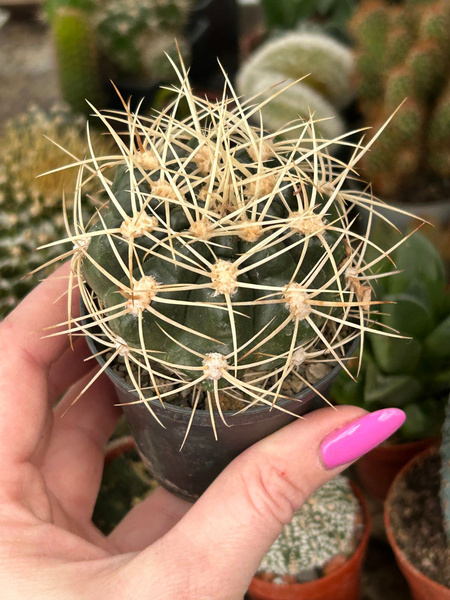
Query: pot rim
x=400 y=555
x=255 y=410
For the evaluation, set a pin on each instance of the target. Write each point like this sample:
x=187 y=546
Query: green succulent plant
x=402 y=53
x=30 y=206
x=223 y=259
x=411 y=373
x=324 y=92
x=328 y=525
x=76 y=51
x=135 y=35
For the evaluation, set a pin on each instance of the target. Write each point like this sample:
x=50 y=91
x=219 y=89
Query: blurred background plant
x=402 y=54
x=30 y=206
x=413 y=373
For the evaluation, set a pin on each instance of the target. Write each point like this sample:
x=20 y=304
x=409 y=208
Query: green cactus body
x=77 y=57
x=30 y=206
x=406 y=56
x=323 y=92
x=326 y=526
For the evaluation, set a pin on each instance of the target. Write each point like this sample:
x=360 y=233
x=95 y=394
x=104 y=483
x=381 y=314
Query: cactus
x=402 y=53
x=134 y=35
x=323 y=92
x=328 y=525
x=412 y=373
x=76 y=51
x=223 y=259
x=30 y=206
x=445 y=472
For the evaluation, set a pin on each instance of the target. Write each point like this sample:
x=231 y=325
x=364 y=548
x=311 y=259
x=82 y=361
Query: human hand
x=165 y=548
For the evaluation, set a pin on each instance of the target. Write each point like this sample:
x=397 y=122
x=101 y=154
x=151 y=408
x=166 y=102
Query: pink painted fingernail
x=355 y=439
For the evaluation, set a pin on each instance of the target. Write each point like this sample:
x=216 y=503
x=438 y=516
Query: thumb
x=215 y=549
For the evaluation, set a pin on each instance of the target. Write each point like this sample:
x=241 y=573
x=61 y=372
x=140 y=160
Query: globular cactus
x=30 y=206
x=327 y=68
x=402 y=53
x=445 y=472
x=327 y=526
x=134 y=35
x=223 y=259
x=76 y=52
x=411 y=373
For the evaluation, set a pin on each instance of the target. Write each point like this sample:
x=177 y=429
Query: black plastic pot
x=188 y=472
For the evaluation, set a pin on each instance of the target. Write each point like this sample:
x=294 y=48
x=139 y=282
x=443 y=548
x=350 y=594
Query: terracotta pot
x=341 y=584
x=421 y=586
x=378 y=469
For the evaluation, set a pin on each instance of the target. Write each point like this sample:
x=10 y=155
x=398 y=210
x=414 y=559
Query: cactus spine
x=223 y=259
x=323 y=92
x=402 y=54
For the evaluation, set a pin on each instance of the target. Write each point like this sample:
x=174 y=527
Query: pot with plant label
x=221 y=270
x=319 y=554
x=417 y=520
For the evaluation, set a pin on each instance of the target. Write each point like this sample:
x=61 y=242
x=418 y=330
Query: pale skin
x=51 y=468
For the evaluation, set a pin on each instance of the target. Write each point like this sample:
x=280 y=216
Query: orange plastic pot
x=342 y=584
x=421 y=586
x=378 y=469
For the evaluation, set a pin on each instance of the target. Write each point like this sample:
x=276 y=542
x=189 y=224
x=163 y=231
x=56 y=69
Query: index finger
x=27 y=356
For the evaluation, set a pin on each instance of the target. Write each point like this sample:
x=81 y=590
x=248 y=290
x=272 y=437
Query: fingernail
x=360 y=436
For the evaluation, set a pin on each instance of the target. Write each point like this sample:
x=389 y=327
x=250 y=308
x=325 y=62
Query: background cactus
x=414 y=373
x=30 y=207
x=76 y=51
x=327 y=525
x=324 y=92
x=402 y=54
x=134 y=35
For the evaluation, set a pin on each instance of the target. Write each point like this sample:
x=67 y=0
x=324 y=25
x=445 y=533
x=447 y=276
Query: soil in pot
x=416 y=519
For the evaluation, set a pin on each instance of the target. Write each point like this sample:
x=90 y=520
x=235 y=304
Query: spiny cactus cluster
x=223 y=259
x=445 y=472
x=134 y=35
x=30 y=206
x=328 y=525
x=326 y=66
x=403 y=54
x=413 y=373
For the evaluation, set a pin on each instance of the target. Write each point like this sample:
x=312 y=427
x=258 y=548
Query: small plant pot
x=421 y=586
x=378 y=469
x=187 y=472
x=342 y=584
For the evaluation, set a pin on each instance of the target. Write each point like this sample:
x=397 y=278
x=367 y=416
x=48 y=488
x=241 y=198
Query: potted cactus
x=417 y=520
x=319 y=554
x=290 y=57
x=222 y=269
x=402 y=53
x=411 y=373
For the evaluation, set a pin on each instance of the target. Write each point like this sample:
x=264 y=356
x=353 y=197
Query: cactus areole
x=224 y=259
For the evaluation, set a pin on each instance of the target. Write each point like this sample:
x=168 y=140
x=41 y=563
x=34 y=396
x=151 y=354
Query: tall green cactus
x=412 y=373
x=325 y=527
x=326 y=65
x=76 y=52
x=402 y=54
x=223 y=259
